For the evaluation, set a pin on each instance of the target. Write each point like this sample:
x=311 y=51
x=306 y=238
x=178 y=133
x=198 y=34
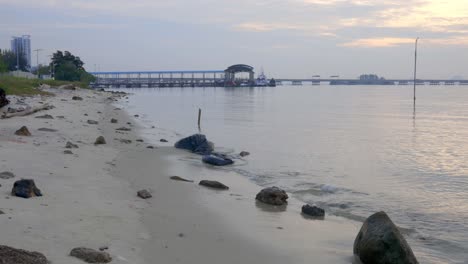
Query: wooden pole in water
x=199 y=117
x=415 y=63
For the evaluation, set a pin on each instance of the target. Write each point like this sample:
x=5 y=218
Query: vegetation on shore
x=68 y=67
x=22 y=86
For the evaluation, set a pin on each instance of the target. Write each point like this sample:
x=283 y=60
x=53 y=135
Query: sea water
x=353 y=150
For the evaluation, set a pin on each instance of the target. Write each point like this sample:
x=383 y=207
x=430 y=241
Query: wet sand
x=90 y=199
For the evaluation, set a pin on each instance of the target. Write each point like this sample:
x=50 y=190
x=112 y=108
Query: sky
x=287 y=38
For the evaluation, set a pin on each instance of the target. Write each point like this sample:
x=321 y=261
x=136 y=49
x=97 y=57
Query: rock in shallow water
x=217 y=160
x=272 y=195
x=313 y=211
x=25 y=188
x=196 y=143
x=380 y=242
x=90 y=255
x=9 y=255
x=213 y=184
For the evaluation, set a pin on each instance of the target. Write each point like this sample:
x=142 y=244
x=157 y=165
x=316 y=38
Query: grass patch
x=22 y=86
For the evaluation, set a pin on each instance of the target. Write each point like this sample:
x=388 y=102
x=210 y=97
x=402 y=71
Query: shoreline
x=90 y=198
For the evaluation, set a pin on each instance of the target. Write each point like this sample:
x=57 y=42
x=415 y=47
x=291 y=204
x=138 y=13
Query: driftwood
x=28 y=111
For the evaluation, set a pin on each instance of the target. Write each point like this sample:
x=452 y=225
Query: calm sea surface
x=354 y=150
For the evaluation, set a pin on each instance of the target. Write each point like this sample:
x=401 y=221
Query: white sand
x=92 y=202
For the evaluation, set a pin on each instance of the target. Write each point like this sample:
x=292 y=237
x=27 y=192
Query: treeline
x=9 y=61
x=64 y=66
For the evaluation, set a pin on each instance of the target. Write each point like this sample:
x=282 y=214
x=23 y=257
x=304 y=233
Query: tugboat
x=262 y=81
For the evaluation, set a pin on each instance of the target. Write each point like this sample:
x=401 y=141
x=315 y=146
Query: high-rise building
x=22 y=45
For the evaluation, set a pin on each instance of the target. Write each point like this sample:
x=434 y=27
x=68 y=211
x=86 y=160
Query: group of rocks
x=379 y=240
x=9 y=255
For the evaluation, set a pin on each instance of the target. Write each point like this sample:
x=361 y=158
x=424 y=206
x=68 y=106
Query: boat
x=262 y=81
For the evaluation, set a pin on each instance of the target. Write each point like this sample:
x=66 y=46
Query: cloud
x=392 y=42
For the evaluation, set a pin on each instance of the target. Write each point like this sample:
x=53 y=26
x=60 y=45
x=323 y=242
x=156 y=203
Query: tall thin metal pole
x=415 y=64
x=37 y=60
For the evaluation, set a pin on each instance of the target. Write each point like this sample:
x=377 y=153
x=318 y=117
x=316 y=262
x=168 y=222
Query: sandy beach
x=89 y=197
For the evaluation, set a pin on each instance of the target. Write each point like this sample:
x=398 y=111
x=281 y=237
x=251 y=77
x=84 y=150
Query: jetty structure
x=230 y=77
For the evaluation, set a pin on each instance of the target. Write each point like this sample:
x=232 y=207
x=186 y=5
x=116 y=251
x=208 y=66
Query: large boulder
x=9 y=255
x=380 y=242
x=3 y=100
x=272 y=195
x=217 y=160
x=195 y=143
x=90 y=255
x=25 y=188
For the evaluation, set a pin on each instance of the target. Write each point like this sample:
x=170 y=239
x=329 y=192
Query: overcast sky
x=288 y=38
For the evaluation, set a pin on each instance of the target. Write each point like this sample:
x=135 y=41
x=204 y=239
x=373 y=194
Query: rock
x=9 y=255
x=136 y=115
x=125 y=141
x=380 y=242
x=217 y=160
x=103 y=248
x=123 y=129
x=70 y=145
x=244 y=153
x=313 y=211
x=67 y=87
x=113 y=120
x=77 y=98
x=85 y=114
x=23 y=131
x=25 y=188
x=67 y=152
x=196 y=143
x=150 y=147
x=139 y=140
x=272 y=195
x=45 y=129
x=3 y=100
x=90 y=255
x=92 y=122
x=6 y=175
x=1 y=212
x=163 y=140
x=144 y=194
x=177 y=178
x=214 y=184
x=100 y=140
x=45 y=117
x=61 y=117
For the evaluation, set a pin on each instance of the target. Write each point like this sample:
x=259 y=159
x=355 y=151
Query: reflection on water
x=353 y=150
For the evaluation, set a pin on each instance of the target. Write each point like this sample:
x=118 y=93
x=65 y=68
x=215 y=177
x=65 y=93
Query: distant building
x=22 y=45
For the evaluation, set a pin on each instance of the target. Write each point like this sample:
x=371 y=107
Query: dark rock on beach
x=123 y=129
x=25 y=189
x=196 y=143
x=3 y=100
x=272 y=195
x=380 y=242
x=67 y=152
x=214 y=184
x=77 y=98
x=90 y=255
x=70 y=145
x=113 y=120
x=23 y=131
x=45 y=117
x=177 y=178
x=217 y=160
x=100 y=141
x=9 y=255
x=163 y=140
x=313 y=211
x=144 y=194
x=45 y=129
x=92 y=122
x=6 y=175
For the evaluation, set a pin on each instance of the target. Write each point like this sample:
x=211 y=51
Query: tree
x=10 y=59
x=68 y=67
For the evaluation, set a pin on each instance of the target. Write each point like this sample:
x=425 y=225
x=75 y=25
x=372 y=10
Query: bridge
x=338 y=81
